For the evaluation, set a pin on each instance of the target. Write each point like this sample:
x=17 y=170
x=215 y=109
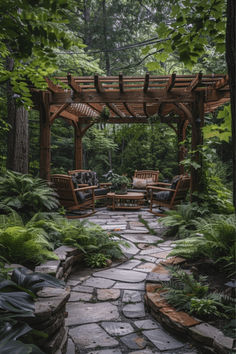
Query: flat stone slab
x=162 y=340
x=130 y=264
x=145 y=267
x=146 y=258
x=129 y=276
x=131 y=296
x=97 y=338
x=151 y=250
x=89 y=312
x=76 y=296
x=108 y=294
x=140 y=238
x=113 y=227
x=134 y=310
x=134 y=341
x=157 y=278
x=145 y=351
x=130 y=248
x=117 y=328
x=83 y=289
x=146 y=324
x=162 y=255
x=205 y=333
x=99 y=282
x=130 y=286
x=108 y=351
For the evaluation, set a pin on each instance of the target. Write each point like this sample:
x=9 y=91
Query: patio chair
x=85 y=178
x=169 y=194
x=142 y=179
x=74 y=199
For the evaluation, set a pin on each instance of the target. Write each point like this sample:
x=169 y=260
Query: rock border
x=208 y=336
x=50 y=306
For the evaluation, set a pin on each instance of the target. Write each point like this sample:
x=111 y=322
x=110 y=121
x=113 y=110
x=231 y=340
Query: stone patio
x=106 y=311
x=118 y=310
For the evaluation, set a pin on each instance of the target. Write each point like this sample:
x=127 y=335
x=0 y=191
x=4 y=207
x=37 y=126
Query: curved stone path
x=106 y=313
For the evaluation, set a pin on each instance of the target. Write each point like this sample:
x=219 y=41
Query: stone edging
x=50 y=306
x=211 y=338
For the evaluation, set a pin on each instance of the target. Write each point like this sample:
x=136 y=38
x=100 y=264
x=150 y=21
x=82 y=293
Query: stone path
x=106 y=313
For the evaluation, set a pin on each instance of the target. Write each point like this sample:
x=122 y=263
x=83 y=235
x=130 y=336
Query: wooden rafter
x=146 y=83
x=57 y=112
x=121 y=83
x=73 y=84
x=222 y=82
x=52 y=87
x=171 y=82
x=193 y=85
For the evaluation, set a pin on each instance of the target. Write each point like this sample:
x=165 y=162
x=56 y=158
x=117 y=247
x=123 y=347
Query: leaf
x=17 y=347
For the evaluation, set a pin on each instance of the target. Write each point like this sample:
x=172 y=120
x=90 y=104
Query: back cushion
x=141 y=182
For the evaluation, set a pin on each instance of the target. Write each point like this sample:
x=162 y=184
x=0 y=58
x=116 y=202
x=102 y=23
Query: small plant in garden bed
x=96 y=260
x=186 y=293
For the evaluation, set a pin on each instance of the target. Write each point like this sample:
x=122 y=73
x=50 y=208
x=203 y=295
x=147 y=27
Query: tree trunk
x=107 y=58
x=17 y=142
x=231 y=63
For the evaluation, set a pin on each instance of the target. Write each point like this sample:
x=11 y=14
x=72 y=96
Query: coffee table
x=130 y=200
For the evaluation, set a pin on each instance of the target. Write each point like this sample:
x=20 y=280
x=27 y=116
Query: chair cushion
x=174 y=182
x=163 y=196
x=141 y=182
x=80 y=196
x=101 y=191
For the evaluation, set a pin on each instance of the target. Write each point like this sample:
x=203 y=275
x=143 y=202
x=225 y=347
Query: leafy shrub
x=184 y=292
x=96 y=260
x=26 y=194
x=215 y=240
x=24 y=244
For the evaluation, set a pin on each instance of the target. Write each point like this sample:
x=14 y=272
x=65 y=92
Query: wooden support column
x=45 y=136
x=80 y=130
x=182 y=125
x=197 y=124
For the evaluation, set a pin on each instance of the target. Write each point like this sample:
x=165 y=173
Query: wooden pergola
x=177 y=100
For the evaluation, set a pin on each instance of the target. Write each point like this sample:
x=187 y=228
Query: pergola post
x=182 y=125
x=45 y=135
x=197 y=124
x=78 y=148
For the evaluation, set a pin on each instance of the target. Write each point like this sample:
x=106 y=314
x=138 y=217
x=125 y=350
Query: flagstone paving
x=106 y=312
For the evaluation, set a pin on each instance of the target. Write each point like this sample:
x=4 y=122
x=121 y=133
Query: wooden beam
x=222 y=82
x=193 y=85
x=145 y=110
x=98 y=84
x=146 y=83
x=57 y=112
x=171 y=82
x=71 y=82
x=127 y=107
x=52 y=87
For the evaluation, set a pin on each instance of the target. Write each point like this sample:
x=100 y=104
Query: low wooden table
x=130 y=200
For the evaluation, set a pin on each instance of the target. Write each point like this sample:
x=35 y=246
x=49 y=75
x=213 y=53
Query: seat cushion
x=174 y=182
x=101 y=191
x=163 y=196
x=141 y=182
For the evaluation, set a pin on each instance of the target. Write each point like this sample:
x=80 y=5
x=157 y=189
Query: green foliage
x=96 y=260
x=220 y=131
x=23 y=244
x=26 y=194
x=180 y=222
x=184 y=292
x=215 y=239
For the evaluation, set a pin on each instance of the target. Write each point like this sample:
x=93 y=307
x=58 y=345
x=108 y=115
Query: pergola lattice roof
x=133 y=99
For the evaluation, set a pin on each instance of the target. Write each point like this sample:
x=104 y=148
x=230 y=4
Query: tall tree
x=191 y=27
x=30 y=30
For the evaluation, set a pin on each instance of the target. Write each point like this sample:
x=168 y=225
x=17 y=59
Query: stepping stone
x=89 y=312
x=83 y=289
x=145 y=267
x=130 y=264
x=130 y=248
x=117 y=328
x=152 y=250
x=146 y=351
x=113 y=227
x=134 y=310
x=141 y=238
x=100 y=283
x=129 y=276
x=134 y=341
x=162 y=340
x=157 y=278
x=91 y=336
x=108 y=294
x=131 y=296
x=76 y=296
x=108 y=351
x=129 y=286
x=161 y=254
x=146 y=324
x=146 y=258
